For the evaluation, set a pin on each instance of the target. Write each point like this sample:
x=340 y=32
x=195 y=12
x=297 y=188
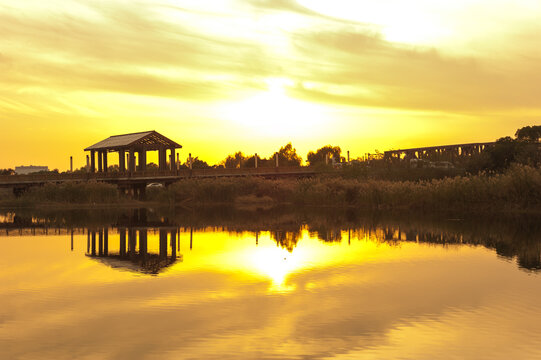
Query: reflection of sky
x=232 y=299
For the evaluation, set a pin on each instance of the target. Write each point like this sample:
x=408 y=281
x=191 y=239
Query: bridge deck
x=151 y=176
x=439 y=147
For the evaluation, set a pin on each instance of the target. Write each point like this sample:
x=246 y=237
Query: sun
x=274 y=113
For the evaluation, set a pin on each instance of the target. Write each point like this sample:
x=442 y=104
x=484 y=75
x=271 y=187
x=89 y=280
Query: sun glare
x=397 y=21
x=277 y=263
x=274 y=113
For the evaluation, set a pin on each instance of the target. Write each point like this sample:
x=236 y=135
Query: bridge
x=133 y=173
x=451 y=153
x=137 y=181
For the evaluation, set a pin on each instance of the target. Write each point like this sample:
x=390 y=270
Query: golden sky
x=226 y=75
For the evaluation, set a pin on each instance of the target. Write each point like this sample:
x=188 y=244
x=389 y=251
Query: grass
x=72 y=193
x=519 y=188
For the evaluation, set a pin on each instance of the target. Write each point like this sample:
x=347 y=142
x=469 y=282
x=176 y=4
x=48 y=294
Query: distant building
x=23 y=170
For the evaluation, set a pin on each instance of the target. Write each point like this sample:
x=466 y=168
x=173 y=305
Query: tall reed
x=75 y=193
x=518 y=187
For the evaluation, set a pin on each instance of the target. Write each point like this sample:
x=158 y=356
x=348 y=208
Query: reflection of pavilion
x=133 y=251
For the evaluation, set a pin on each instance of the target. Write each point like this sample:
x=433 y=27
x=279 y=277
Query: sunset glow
x=252 y=75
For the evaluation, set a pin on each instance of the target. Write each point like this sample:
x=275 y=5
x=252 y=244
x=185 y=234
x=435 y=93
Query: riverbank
x=516 y=190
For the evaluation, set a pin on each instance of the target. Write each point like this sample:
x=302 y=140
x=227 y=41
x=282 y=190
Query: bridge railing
x=42 y=177
x=251 y=171
x=212 y=172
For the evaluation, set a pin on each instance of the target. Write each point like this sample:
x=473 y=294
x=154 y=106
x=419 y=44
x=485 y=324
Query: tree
x=319 y=156
x=249 y=162
x=529 y=133
x=506 y=151
x=7 y=172
x=503 y=153
x=234 y=161
x=287 y=155
x=152 y=167
x=199 y=164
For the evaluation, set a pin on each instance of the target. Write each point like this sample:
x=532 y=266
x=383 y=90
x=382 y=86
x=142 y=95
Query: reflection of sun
x=276 y=263
x=272 y=112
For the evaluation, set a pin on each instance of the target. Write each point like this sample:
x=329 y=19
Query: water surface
x=288 y=287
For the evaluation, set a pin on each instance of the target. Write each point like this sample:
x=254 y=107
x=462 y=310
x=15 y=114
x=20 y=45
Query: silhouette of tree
x=250 y=162
x=319 y=156
x=529 y=133
x=199 y=164
x=287 y=155
x=152 y=167
x=7 y=172
x=506 y=151
x=234 y=161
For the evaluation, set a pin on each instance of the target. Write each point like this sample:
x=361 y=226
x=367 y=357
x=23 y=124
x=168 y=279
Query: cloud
x=135 y=50
x=117 y=51
x=400 y=76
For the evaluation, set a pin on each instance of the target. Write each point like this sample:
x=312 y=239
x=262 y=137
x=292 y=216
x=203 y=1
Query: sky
x=252 y=75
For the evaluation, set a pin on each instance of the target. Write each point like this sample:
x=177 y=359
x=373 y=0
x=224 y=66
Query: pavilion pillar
x=106 y=241
x=93 y=243
x=105 y=161
x=162 y=159
x=163 y=244
x=143 y=243
x=172 y=159
x=122 y=250
x=100 y=239
x=100 y=161
x=131 y=162
x=92 y=161
x=132 y=243
x=173 y=244
x=121 y=161
x=142 y=160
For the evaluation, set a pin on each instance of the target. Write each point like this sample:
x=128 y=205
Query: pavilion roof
x=150 y=140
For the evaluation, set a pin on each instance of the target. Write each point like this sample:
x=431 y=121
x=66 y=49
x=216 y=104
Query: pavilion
x=127 y=145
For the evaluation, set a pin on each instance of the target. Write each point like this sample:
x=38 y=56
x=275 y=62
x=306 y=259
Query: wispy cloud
x=60 y=59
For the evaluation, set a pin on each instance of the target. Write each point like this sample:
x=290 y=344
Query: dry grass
x=74 y=193
x=519 y=187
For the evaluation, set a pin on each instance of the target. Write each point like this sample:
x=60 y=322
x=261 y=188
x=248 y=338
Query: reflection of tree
x=511 y=237
x=522 y=245
x=530 y=257
x=326 y=234
x=286 y=239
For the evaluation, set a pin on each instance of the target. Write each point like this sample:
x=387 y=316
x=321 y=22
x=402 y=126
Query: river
x=267 y=284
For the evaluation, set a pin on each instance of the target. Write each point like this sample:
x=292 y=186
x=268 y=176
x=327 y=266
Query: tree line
x=524 y=148
x=287 y=156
